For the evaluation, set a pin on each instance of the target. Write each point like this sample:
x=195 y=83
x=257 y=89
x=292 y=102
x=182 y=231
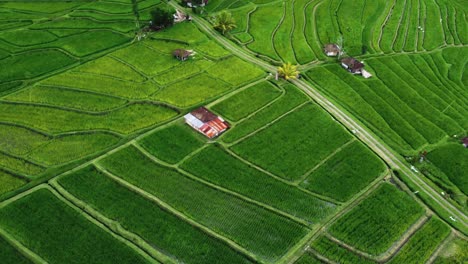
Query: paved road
x=363 y=133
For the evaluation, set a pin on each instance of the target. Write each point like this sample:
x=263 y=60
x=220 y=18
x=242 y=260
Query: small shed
x=179 y=16
x=182 y=54
x=464 y=142
x=332 y=50
x=352 y=65
x=206 y=122
x=192 y=3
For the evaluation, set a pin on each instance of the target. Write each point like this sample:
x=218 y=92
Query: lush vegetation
x=422 y=244
x=242 y=222
x=164 y=231
x=60 y=234
x=332 y=251
x=246 y=102
x=216 y=166
x=377 y=222
x=9 y=255
x=91 y=89
x=171 y=144
x=292 y=146
x=456 y=251
x=345 y=173
x=291 y=99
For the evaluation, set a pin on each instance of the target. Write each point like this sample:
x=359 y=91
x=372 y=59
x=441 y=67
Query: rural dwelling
x=352 y=65
x=182 y=54
x=206 y=122
x=332 y=50
x=195 y=3
x=180 y=17
x=464 y=142
x=355 y=67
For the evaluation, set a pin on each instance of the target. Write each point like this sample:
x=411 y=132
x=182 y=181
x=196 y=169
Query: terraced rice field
x=98 y=166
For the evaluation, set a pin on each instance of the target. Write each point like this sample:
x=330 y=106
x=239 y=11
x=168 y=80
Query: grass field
x=173 y=143
x=423 y=243
x=332 y=251
x=83 y=97
x=216 y=165
x=240 y=221
x=9 y=182
x=10 y=255
x=164 y=231
x=452 y=160
x=247 y=101
x=297 y=30
x=296 y=143
x=56 y=238
x=291 y=99
x=377 y=222
x=345 y=173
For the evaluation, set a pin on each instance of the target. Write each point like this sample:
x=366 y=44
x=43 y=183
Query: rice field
x=373 y=232
x=98 y=166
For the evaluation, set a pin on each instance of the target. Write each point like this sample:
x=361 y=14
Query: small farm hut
x=464 y=142
x=179 y=16
x=332 y=50
x=352 y=65
x=206 y=122
x=192 y=3
x=182 y=54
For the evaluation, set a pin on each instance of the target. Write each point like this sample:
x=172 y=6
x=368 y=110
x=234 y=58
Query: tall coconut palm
x=288 y=71
x=224 y=22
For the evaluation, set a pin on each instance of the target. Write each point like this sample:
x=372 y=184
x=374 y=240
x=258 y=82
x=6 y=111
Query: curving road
x=363 y=133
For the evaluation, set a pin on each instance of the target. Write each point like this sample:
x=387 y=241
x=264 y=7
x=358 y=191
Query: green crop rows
x=98 y=166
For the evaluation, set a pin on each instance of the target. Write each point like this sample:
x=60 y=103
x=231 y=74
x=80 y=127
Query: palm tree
x=224 y=22
x=288 y=71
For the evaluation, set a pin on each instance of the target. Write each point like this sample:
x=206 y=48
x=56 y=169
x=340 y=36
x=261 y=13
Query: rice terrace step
x=233 y=131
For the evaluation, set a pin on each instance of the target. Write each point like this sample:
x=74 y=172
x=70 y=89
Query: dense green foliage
x=60 y=234
x=171 y=144
x=246 y=102
x=422 y=244
x=296 y=143
x=452 y=159
x=377 y=222
x=9 y=182
x=9 y=255
x=346 y=172
x=266 y=234
x=455 y=252
x=308 y=259
x=332 y=251
x=164 y=231
x=287 y=102
x=216 y=166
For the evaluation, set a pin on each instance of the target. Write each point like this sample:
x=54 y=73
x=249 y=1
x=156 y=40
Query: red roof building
x=206 y=122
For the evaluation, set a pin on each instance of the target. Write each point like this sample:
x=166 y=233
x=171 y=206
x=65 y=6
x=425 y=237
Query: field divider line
x=276 y=177
x=323 y=161
x=283 y=93
x=236 y=91
x=175 y=212
x=191 y=154
x=266 y=125
x=56 y=191
x=395 y=248
x=380 y=149
x=222 y=189
x=26 y=252
x=320 y=256
x=441 y=246
x=112 y=225
x=344 y=209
